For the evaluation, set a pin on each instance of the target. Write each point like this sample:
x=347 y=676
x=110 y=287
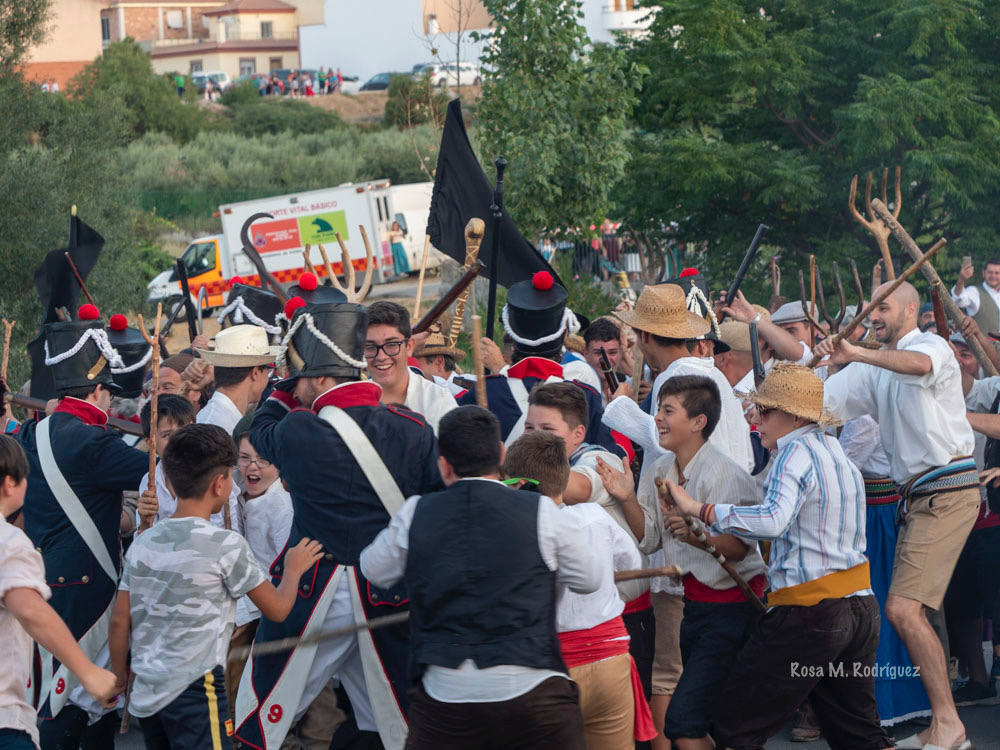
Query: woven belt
x=959 y=474
x=881 y=491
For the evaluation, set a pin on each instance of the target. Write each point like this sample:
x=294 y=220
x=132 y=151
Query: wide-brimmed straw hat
x=794 y=389
x=436 y=344
x=735 y=334
x=241 y=345
x=662 y=310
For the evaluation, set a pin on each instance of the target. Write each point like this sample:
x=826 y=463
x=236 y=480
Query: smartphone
x=966 y=260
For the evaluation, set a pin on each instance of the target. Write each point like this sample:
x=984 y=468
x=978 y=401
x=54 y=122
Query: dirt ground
x=369 y=106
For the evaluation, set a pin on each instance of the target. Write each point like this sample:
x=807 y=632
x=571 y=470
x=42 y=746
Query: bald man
x=913 y=388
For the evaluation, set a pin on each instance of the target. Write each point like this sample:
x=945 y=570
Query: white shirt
x=431 y=400
x=21 y=567
x=222 y=412
x=267 y=523
x=862 y=443
x=969 y=300
x=166 y=503
x=612 y=550
x=563 y=548
x=710 y=477
x=921 y=417
x=580 y=369
x=453 y=388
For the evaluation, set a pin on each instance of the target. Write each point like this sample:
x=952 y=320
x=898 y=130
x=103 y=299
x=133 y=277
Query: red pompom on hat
x=88 y=312
x=542 y=281
x=308 y=281
x=689 y=272
x=236 y=280
x=118 y=322
x=294 y=304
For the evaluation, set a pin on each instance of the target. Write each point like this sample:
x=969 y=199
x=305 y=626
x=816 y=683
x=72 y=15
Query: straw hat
x=662 y=310
x=735 y=334
x=793 y=389
x=436 y=344
x=242 y=345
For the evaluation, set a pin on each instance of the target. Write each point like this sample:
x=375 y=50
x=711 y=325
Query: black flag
x=463 y=191
x=57 y=287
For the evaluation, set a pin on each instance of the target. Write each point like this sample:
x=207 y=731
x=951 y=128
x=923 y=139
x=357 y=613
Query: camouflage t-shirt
x=183 y=576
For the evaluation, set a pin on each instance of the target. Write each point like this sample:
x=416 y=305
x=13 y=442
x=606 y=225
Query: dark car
x=380 y=81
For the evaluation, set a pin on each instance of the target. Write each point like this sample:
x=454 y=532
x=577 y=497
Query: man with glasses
x=388 y=347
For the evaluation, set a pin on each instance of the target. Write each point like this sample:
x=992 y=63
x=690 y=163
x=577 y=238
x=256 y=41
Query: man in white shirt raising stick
x=913 y=388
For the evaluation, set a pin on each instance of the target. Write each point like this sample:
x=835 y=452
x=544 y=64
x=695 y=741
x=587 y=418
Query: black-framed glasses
x=391 y=348
x=244 y=460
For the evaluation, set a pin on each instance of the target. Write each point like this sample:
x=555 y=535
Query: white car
x=219 y=78
x=450 y=74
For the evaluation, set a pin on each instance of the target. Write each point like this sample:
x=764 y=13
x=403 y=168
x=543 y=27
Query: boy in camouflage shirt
x=177 y=598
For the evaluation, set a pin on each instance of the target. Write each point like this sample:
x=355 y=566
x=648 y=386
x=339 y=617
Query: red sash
x=603 y=641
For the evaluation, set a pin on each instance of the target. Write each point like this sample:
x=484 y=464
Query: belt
x=831 y=586
x=958 y=474
x=880 y=491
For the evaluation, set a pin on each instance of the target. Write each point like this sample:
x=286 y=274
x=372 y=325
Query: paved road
x=981 y=722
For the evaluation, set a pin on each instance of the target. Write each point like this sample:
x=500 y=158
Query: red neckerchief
x=364 y=393
x=83 y=410
x=535 y=367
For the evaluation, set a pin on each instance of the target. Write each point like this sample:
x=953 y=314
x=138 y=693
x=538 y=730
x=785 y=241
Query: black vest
x=479 y=588
x=991 y=459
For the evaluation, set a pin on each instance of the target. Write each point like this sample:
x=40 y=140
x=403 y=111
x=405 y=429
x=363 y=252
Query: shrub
x=413 y=101
x=272 y=116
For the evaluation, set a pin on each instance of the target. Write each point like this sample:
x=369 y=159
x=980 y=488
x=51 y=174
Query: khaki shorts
x=930 y=540
x=668 y=609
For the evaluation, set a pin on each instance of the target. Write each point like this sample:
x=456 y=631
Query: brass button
x=374 y=597
x=305 y=589
x=60 y=579
x=85 y=579
x=38 y=549
x=395 y=598
x=328 y=556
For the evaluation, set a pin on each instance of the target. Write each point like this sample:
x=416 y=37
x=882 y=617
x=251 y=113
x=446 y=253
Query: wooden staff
x=329 y=270
x=877 y=300
x=638 y=365
x=8 y=328
x=79 y=278
x=702 y=538
x=420 y=281
x=477 y=361
x=474 y=232
x=448 y=298
x=953 y=310
x=812 y=297
x=308 y=261
x=287 y=644
x=154 y=398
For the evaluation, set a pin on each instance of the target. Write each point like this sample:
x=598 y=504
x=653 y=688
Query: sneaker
x=974 y=693
x=805 y=728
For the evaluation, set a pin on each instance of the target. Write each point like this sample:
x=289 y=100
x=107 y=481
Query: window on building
x=105 y=29
x=274 y=64
x=196 y=66
x=175 y=19
x=266 y=29
x=248 y=66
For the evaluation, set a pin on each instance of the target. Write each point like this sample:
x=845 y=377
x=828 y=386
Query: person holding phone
x=982 y=303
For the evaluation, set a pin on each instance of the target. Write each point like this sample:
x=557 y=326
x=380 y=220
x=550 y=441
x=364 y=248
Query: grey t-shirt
x=183 y=576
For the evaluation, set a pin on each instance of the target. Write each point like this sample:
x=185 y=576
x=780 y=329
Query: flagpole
x=497 y=209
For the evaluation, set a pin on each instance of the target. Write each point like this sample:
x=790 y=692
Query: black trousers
x=544 y=718
x=827 y=650
x=68 y=730
x=197 y=718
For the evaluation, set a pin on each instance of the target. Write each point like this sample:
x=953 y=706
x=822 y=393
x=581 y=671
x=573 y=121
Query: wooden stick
x=287 y=644
x=307 y=261
x=154 y=387
x=877 y=299
x=748 y=592
x=79 y=278
x=345 y=262
x=36 y=404
x=366 y=284
x=954 y=312
x=126 y=716
x=334 y=279
x=477 y=361
x=8 y=326
x=812 y=296
x=474 y=232
x=448 y=298
x=638 y=365
x=420 y=281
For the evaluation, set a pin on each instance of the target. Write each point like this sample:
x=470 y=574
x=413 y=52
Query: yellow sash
x=831 y=586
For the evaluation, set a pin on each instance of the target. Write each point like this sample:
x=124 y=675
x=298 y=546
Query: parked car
x=219 y=78
x=351 y=85
x=379 y=81
x=455 y=74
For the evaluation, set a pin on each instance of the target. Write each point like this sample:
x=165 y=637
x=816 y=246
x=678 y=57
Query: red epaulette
x=407 y=414
x=584 y=386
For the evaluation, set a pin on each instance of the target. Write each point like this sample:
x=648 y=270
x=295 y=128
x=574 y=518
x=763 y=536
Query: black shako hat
x=696 y=292
x=79 y=354
x=253 y=305
x=135 y=354
x=536 y=316
x=314 y=293
x=326 y=339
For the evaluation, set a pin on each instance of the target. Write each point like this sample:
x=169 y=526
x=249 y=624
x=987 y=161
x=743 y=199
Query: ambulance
x=314 y=218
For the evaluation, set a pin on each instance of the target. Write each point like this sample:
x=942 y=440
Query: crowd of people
x=682 y=523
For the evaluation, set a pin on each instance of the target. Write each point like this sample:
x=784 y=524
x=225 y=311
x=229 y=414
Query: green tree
x=413 y=101
x=22 y=24
x=556 y=107
x=125 y=72
x=758 y=113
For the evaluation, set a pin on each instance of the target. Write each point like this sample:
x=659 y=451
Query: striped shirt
x=813 y=510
